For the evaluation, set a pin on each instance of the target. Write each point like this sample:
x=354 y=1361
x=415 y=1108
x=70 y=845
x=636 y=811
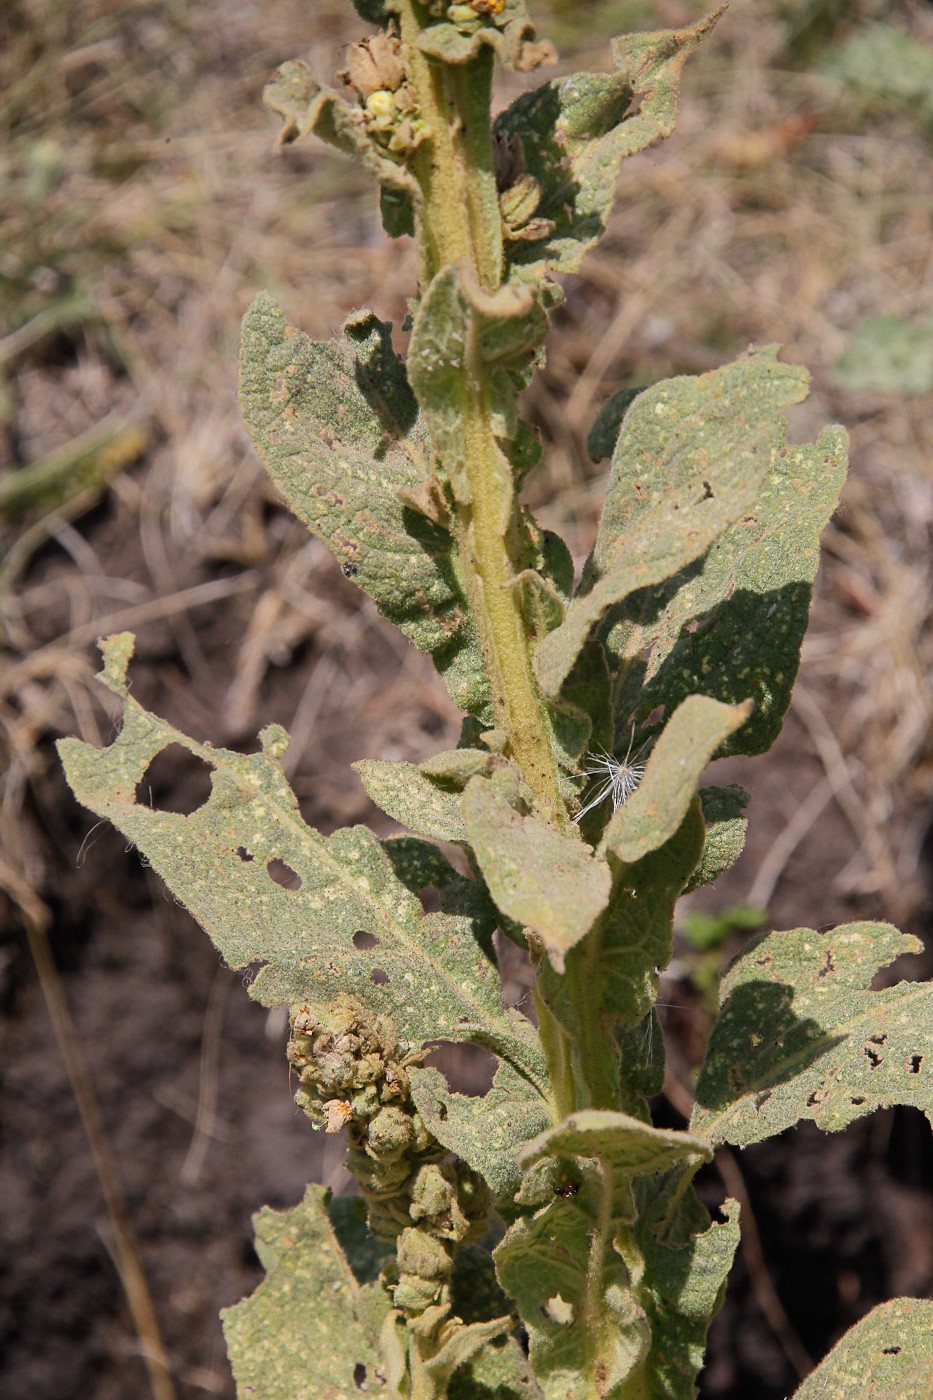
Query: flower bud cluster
x=470 y=15
x=352 y=1073
x=376 y=72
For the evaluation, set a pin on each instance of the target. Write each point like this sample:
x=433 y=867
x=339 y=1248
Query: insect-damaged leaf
x=572 y=134
x=550 y=882
x=690 y=460
x=723 y=809
x=888 y=1355
x=355 y=927
x=306 y=1333
x=687 y=743
x=687 y=1261
x=573 y=1268
x=801 y=1035
x=335 y=424
x=731 y=624
x=485 y=1131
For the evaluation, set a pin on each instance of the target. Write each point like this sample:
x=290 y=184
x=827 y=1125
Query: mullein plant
x=543 y=1239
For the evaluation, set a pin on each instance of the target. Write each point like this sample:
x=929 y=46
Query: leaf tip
x=117 y=651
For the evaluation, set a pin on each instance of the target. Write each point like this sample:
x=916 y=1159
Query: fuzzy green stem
x=459 y=220
x=558 y=1050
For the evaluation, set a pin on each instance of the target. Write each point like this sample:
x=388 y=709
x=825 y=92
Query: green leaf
x=574 y=1267
x=731 y=624
x=335 y=424
x=888 y=1355
x=625 y=1146
x=484 y=1131
x=733 y=627
x=433 y=973
x=549 y=882
x=723 y=809
x=687 y=743
x=403 y=792
x=572 y=134
x=801 y=1035
x=689 y=462
x=460 y=1347
x=499 y=1372
x=280 y=1346
x=307 y=109
x=889 y=355
x=462 y=338
x=687 y=1262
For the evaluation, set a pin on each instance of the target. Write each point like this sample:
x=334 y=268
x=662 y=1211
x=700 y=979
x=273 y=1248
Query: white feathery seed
x=613 y=777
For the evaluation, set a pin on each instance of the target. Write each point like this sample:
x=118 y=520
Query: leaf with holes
x=730 y=622
x=689 y=463
x=485 y=1131
x=687 y=1261
x=539 y=877
x=888 y=1355
x=801 y=1035
x=336 y=426
x=282 y=1349
x=571 y=135
x=355 y=926
x=573 y=1267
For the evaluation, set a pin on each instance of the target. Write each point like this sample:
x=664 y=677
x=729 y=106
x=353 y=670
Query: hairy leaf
x=688 y=741
x=690 y=460
x=800 y=1034
x=572 y=134
x=336 y=426
x=537 y=876
x=723 y=809
x=404 y=792
x=888 y=1355
x=500 y=1372
x=573 y=1268
x=305 y=1334
x=729 y=625
x=687 y=1261
x=485 y=1131
x=458 y=1348
x=356 y=925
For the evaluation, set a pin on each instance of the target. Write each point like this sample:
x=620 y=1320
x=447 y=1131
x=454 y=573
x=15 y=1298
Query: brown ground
x=141 y=209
